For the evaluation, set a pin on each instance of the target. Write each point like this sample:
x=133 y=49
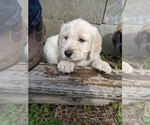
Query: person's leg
x=36 y=33
x=10 y=14
x=11 y=33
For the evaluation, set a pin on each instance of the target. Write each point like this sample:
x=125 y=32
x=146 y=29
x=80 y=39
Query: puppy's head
x=117 y=39
x=79 y=40
x=142 y=38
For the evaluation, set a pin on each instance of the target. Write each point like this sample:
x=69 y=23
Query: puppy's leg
x=126 y=68
x=65 y=66
x=50 y=50
x=101 y=65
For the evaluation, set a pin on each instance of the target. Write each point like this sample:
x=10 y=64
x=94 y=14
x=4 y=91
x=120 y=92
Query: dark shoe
x=11 y=46
x=36 y=41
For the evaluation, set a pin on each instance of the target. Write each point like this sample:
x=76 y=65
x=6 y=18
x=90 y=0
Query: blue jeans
x=10 y=14
x=35 y=14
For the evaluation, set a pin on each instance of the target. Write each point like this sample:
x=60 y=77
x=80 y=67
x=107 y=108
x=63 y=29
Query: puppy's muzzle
x=68 y=53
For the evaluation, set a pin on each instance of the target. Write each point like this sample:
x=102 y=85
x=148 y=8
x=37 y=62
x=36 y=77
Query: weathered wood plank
x=48 y=85
x=136 y=86
x=84 y=86
x=14 y=84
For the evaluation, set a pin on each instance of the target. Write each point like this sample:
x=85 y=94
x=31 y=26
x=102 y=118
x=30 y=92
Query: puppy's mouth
x=68 y=58
x=72 y=59
x=72 y=56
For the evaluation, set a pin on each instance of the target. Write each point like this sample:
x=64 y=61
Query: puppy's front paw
x=101 y=65
x=65 y=66
x=126 y=68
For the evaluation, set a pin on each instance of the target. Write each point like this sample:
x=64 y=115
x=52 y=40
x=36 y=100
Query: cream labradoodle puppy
x=78 y=44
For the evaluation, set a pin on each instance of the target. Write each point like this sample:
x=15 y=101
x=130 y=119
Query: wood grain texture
x=14 y=84
x=85 y=86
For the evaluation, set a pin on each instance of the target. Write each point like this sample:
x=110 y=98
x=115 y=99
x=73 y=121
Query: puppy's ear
x=59 y=41
x=117 y=38
x=96 y=44
x=142 y=38
x=117 y=41
x=63 y=28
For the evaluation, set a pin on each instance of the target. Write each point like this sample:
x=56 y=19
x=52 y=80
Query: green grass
x=41 y=115
x=11 y=114
x=145 y=63
x=138 y=112
x=44 y=114
x=115 y=62
x=146 y=116
x=74 y=115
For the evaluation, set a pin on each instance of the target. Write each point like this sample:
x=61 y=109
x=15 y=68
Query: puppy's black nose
x=68 y=53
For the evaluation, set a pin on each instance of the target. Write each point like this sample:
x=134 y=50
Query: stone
x=113 y=12
x=130 y=49
x=123 y=5
x=52 y=27
x=136 y=12
x=49 y=8
x=67 y=10
x=92 y=10
x=107 y=32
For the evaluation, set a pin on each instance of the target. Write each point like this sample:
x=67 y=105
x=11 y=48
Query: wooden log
x=136 y=86
x=14 y=84
x=86 y=86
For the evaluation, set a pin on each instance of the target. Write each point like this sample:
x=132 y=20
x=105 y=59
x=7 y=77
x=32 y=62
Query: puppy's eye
x=66 y=37
x=81 y=40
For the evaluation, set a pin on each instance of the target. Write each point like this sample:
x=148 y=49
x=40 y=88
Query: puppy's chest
x=83 y=63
